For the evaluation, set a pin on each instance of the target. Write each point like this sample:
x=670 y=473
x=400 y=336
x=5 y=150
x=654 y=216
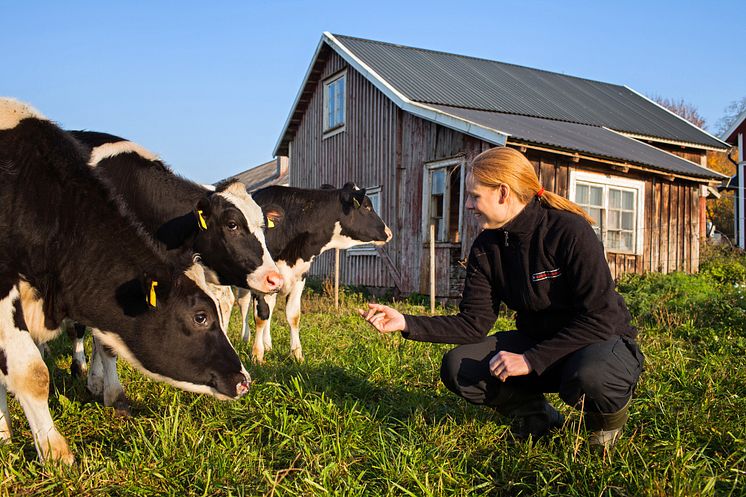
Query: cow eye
x=232 y=225
x=200 y=318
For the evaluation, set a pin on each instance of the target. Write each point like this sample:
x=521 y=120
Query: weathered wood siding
x=383 y=145
x=365 y=152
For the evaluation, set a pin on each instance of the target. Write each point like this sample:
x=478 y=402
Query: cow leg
x=292 y=311
x=23 y=373
x=76 y=334
x=244 y=301
x=263 y=307
x=95 y=381
x=4 y=415
x=112 y=391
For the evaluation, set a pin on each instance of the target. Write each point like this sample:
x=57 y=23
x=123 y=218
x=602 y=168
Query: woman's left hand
x=506 y=364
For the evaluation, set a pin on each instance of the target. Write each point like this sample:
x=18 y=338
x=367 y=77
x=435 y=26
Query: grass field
x=367 y=415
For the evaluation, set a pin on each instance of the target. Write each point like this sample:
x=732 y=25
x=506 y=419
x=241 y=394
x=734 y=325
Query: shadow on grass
x=346 y=387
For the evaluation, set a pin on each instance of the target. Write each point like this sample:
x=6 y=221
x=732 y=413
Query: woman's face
x=489 y=204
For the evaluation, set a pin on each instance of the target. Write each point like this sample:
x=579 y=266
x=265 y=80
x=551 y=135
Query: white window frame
x=336 y=127
x=426 y=187
x=606 y=181
x=374 y=194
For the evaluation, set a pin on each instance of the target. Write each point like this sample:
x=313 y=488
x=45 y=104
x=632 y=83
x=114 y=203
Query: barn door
x=443 y=207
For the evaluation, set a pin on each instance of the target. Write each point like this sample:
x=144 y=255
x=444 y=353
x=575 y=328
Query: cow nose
x=242 y=388
x=274 y=281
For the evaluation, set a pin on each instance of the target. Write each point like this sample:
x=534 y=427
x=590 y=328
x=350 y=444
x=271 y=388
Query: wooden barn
x=404 y=122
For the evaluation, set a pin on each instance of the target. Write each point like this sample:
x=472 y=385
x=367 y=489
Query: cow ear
x=327 y=186
x=357 y=198
x=274 y=215
x=202 y=212
x=347 y=193
x=155 y=290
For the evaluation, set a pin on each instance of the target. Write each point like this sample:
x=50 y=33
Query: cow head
x=359 y=223
x=179 y=334
x=231 y=239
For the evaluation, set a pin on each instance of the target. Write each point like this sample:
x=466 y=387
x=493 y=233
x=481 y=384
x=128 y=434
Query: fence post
x=432 y=268
x=336 y=278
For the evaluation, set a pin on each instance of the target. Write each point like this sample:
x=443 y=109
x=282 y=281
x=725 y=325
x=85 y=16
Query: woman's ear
x=503 y=193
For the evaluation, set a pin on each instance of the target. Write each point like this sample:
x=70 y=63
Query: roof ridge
x=478 y=58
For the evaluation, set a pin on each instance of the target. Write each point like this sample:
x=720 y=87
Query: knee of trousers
x=586 y=382
x=449 y=371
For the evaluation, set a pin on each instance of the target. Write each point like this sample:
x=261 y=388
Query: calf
x=224 y=225
x=70 y=249
x=313 y=221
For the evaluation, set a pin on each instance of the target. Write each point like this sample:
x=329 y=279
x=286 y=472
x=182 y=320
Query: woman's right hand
x=384 y=318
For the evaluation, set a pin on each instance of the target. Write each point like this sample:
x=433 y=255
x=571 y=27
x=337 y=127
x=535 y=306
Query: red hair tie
x=540 y=192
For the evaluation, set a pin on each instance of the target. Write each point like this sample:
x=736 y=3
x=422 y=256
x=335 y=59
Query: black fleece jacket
x=548 y=266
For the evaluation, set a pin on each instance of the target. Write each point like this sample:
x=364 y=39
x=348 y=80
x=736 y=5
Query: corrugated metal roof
x=582 y=138
x=432 y=77
x=262 y=175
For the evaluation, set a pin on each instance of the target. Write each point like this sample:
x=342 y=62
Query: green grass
x=367 y=415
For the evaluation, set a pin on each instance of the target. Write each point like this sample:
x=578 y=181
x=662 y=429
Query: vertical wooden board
x=563 y=179
x=673 y=223
x=655 y=225
x=644 y=262
x=665 y=226
x=694 y=237
x=548 y=171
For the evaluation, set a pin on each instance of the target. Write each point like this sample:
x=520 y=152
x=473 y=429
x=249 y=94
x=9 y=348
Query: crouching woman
x=539 y=254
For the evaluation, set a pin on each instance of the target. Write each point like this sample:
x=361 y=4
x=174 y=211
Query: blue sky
x=209 y=85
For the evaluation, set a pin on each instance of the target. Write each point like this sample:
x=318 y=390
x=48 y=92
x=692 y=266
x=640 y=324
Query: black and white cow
x=70 y=249
x=224 y=225
x=313 y=221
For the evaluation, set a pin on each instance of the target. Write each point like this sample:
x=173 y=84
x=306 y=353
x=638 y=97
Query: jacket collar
x=525 y=222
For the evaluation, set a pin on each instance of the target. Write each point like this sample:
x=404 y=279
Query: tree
x=731 y=113
x=681 y=109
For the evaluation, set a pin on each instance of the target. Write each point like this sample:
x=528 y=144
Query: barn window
x=442 y=192
x=374 y=194
x=616 y=204
x=335 y=103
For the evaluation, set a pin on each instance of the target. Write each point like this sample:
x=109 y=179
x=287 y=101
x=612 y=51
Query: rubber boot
x=606 y=428
x=533 y=417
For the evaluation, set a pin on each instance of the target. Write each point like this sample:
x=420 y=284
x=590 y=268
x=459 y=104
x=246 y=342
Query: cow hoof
x=297 y=355
x=259 y=360
x=79 y=370
x=57 y=450
x=95 y=385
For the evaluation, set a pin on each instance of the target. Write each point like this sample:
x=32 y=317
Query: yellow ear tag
x=270 y=223
x=201 y=221
x=151 y=300
x=357 y=203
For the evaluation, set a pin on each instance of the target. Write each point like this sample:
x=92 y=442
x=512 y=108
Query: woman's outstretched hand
x=383 y=318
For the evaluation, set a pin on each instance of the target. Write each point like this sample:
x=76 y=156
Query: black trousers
x=599 y=377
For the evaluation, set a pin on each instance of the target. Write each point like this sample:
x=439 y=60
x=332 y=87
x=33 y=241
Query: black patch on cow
x=262 y=308
x=94 y=139
x=18 y=319
x=3 y=362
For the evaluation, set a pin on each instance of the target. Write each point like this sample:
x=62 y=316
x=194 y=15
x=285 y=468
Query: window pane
x=615 y=199
x=438 y=185
x=612 y=240
x=627 y=221
x=340 y=84
x=595 y=213
x=581 y=194
x=597 y=194
x=627 y=241
x=612 y=219
x=330 y=106
x=628 y=200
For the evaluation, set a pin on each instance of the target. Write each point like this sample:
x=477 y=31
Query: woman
x=539 y=255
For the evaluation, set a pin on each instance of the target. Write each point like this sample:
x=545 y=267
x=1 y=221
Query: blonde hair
x=503 y=165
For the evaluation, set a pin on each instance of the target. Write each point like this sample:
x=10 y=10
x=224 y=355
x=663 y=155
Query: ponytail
x=503 y=165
